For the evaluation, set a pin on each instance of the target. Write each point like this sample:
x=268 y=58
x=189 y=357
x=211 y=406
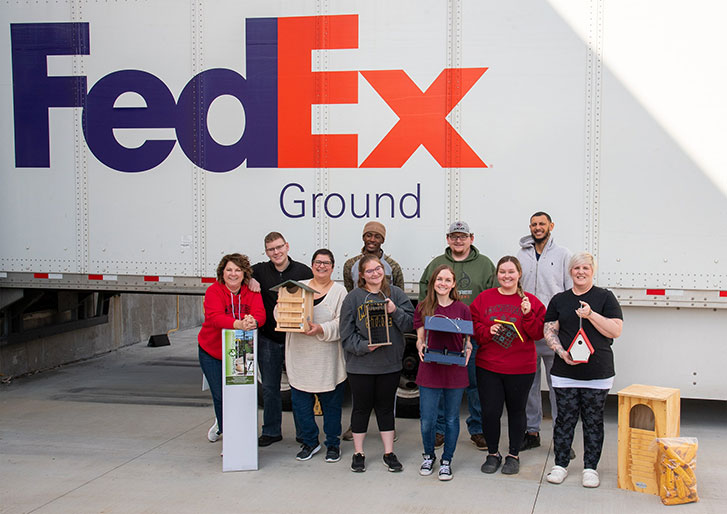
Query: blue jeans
x=212 y=369
x=429 y=402
x=270 y=361
x=474 y=421
x=305 y=420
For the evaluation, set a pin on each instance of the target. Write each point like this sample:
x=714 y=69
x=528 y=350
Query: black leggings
x=588 y=404
x=376 y=392
x=496 y=390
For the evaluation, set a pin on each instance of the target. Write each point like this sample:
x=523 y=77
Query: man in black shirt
x=271 y=343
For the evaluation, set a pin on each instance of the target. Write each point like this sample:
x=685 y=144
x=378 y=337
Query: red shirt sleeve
x=481 y=323
x=214 y=309
x=534 y=320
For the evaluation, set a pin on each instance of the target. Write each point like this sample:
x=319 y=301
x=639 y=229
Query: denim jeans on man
x=429 y=402
x=270 y=361
x=212 y=369
x=474 y=421
x=305 y=420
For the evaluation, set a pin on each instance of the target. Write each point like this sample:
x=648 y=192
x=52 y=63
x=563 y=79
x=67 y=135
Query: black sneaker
x=530 y=441
x=391 y=462
x=427 y=465
x=333 y=454
x=445 y=470
x=306 y=452
x=492 y=462
x=511 y=466
x=358 y=463
x=267 y=440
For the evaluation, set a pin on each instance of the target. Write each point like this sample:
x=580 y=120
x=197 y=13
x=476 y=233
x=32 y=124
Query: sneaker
x=590 y=478
x=213 y=434
x=530 y=441
x=427 y=464
x=333 y=454
x=358 y=463
x=306 y=452
x=511 y=466
x=438 y=441
x=479 y=441
x=347 y=435
x=445 y=470
x=391 y=462
x=492 y=462
x=267 y=440
x=557 y=475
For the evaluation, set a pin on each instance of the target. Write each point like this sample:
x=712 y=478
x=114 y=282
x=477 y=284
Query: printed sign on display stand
x=239 y=400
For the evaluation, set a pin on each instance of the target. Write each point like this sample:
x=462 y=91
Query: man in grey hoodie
x=545 y=273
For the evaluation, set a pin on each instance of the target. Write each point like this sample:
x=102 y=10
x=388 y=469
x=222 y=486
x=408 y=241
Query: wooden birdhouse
x=644 y=414
x=377 y=322
x=295 y=306
x=580 y=348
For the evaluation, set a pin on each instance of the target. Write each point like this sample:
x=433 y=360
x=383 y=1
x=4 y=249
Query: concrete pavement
x=126 y=433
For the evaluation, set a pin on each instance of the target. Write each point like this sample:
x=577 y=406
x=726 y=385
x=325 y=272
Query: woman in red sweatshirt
x=228 y=303
x=507 y=321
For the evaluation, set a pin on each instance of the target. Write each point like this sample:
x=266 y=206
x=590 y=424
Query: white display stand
x=239 y=400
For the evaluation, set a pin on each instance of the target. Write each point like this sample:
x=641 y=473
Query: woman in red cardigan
x=228 y=304
x=507 y=321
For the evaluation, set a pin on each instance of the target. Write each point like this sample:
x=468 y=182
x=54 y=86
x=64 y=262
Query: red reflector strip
x=208 y=280
x=723 y=294
x=53 y=276
x=151 y=279
x=95 y=277
x=656 y=292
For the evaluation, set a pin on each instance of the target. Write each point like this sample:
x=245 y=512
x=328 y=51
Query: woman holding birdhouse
x=507 y=321
x=315 y=366
x=374 y=318
x=441 y=382
x=228 y=304
x=580 y=326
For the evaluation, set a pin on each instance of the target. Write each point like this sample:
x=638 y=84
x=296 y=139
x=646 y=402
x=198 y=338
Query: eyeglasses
x=371 y=271
x=275 y=248
x=459 y=238
x=322 y=264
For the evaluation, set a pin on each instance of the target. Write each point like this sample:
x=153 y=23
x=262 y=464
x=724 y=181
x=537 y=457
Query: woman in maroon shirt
x=439 y=383
x=507 y=321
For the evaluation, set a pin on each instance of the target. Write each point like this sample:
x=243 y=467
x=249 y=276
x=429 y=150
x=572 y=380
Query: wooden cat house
x=295 y=306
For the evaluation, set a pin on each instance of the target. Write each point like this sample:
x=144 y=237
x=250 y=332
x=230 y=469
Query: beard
x=541 y=239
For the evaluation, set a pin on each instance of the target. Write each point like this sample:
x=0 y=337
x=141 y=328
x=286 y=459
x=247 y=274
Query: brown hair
x=510 y=258
x=362 y=281
x=273 y=236
x=427 y=306
x=239 y=260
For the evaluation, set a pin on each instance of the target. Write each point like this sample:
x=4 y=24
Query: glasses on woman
x=371 y=271
x=322 y=264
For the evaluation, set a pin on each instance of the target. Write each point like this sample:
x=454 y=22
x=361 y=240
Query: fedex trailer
x=145 y=139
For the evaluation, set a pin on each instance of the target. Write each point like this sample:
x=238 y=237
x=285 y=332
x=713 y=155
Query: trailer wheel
x=407 y=394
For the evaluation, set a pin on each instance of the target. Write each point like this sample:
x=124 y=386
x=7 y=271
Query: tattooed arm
x=550 y=332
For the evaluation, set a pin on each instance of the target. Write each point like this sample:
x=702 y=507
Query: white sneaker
x=557 y=475
x=590 y=478
x=213 y=435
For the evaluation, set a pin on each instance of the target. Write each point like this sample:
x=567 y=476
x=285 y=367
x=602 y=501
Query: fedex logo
x=277 y=95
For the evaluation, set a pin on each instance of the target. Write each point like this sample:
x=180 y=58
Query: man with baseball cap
x=374 y=235
x=475 y=272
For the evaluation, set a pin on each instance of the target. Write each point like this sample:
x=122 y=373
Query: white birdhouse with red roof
x=580 y=348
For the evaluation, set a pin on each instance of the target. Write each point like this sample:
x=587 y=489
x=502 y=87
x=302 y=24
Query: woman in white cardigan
x=315 y=365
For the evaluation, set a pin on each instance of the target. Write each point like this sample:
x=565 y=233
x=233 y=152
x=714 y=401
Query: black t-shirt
x=268 y=276
x=562 y=308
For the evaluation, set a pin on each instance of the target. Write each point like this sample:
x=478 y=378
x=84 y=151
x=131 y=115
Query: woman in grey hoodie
x=373 y=371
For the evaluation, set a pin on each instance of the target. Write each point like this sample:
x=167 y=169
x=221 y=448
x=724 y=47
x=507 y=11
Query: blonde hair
x=582 y=258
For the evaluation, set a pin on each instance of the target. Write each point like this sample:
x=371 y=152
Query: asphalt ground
x=126 y=433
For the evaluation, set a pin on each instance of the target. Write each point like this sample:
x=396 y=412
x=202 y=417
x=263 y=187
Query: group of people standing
x=513 y=334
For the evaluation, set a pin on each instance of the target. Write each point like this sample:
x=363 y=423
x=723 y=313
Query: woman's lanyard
x=238 y=314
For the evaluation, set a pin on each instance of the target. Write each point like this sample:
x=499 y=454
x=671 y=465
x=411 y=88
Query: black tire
x=407 y=394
